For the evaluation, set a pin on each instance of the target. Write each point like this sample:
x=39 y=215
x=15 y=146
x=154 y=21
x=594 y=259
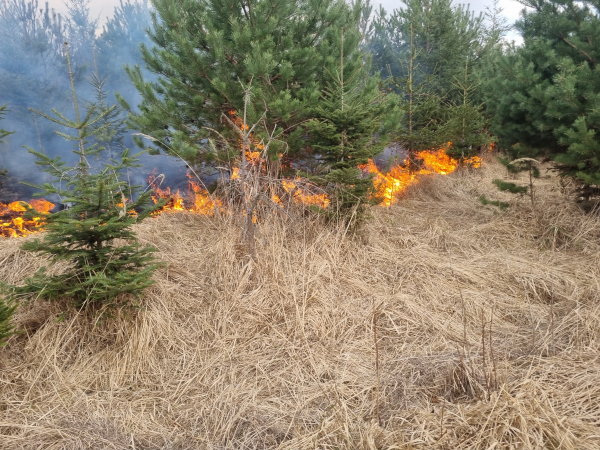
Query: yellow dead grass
x=231 y=354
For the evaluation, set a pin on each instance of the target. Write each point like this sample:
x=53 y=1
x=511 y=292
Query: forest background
x=448 y=84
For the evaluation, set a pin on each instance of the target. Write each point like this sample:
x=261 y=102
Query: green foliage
x=348 y=131
x=485 y=201
x=431 y=51
x=423 y=109
x=445 y=35
x=6 y=328
x=110 y=129
x=510 y=187
x=205 y=50
x=3 y=134
x=93 y=233
x=544 y=95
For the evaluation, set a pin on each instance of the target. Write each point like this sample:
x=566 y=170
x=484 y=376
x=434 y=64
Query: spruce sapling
x=93 y=233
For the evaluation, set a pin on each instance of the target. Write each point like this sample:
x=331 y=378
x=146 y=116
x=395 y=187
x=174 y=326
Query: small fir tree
x=110 y=130
x=348 y=132
x=423 y=110
x=93 y=233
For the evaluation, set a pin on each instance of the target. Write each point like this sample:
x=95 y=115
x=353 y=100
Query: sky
x=102 y=8
x=511 y=9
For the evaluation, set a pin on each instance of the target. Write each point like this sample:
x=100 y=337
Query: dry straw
x=227 y=352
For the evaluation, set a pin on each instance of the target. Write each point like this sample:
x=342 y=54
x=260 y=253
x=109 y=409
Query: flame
x=41 y=205
x=12 y=222
x=198 y=197
x=198 y=200
x=400 y=177
x=203 y=203
x=389 y=185
x=302 y=195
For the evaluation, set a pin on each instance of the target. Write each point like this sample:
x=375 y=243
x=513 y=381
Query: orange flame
x=199 y=198
x=388 y=186
x=12 y=222
x=399 y=178
x=302 y=195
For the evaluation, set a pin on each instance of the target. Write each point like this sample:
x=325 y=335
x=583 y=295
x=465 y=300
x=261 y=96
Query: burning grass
x=12 y=222
x=487 y=335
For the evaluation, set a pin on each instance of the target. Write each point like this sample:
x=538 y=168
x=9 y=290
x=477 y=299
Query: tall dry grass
x=487 y=328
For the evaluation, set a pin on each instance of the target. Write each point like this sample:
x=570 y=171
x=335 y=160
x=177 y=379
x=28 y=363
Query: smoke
x=34 y=74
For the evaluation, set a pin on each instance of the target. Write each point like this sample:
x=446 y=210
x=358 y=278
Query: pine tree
x=348 y=131
x=468 y=128
x=442 y=34
x=545 y=95
x=6 y=309
x=31 y=57
x=423 y=109
x=81 y=32
x=90 y=231
x=430 y=51
x=4 y=133
x=203 y=50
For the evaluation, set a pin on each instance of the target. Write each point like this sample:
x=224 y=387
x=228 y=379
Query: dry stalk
x=552 y=322
x=376 y=344
x=495 y=372
x=485 y=371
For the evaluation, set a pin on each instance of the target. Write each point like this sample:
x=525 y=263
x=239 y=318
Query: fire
x=12 y=222
x=400 y=177
x=199 y=201
x=302 y=195
x=197 y=197
x=203 y=203
x=389 y=185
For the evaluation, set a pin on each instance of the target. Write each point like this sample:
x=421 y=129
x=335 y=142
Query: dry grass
x=231 y=354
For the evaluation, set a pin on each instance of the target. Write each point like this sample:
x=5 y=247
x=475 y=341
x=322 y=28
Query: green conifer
x=203 y=51
x=348 y=131
x=545 y=94
x=93 y=233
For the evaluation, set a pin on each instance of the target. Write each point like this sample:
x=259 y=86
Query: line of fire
x=197 y=199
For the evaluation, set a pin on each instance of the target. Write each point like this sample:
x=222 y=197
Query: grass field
x=446 y=325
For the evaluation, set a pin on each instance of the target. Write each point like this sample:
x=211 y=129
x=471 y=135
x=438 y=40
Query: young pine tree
x=423 y=109
x=467 y=125
x=93 y=233
x=544 y=94
x=110 y=130
x=348 y=131
x=203 y=50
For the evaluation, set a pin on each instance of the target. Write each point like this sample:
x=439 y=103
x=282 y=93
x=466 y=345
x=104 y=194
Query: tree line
x=322 y=86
